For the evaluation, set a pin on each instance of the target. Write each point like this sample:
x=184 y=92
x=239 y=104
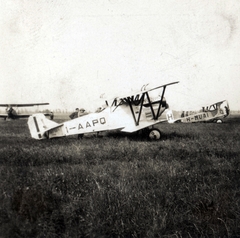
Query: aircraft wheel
x=219 y=121
x=154 y=134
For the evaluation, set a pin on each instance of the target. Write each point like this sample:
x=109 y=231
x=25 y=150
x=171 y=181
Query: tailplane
x=40 y=126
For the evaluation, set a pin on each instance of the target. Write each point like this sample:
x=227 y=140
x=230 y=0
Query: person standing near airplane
x=51 y=115
x=74 y=114
x=82 y=112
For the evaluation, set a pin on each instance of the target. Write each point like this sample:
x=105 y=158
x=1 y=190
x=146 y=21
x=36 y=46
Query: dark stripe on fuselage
x=36 y=124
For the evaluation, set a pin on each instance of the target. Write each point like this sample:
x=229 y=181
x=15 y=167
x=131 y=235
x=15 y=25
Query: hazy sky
x=69 y=52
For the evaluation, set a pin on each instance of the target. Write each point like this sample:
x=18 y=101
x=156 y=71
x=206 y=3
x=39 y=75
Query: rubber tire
x=154 y=134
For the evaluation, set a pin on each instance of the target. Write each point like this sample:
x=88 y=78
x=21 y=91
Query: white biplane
x=213 y=113
x=129 y=113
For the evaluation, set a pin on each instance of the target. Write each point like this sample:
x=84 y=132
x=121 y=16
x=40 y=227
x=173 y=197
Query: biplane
x=129 y=113
x=12 y=113
x=213 y=113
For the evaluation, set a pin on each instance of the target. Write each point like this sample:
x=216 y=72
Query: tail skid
x=39 y=126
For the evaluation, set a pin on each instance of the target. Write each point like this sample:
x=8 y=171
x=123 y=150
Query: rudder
x=38 y=125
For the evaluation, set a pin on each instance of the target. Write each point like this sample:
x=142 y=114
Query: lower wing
x=142 y=125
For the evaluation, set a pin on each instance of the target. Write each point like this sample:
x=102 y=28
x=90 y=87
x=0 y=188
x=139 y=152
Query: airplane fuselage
x=111 y=118
x=129 y=113
x=199 y=117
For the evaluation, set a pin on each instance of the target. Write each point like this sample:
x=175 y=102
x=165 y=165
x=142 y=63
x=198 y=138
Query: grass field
x=186 y=185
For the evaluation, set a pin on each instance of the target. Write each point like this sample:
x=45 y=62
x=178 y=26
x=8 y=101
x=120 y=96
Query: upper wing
x=220 y=102
x=151 y=89
x=139 y=92
x=23 y=105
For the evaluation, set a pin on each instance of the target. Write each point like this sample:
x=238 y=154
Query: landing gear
x=154 y=134
x=151 y=133
x=219 y=121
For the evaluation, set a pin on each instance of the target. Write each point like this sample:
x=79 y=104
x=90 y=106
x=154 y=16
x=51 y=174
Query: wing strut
x=160 y=103
x=150 y=104
x=156 y=116
x=140 y=111
x=140 y=102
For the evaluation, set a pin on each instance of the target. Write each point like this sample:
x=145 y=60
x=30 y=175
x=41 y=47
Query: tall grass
x=186 y=185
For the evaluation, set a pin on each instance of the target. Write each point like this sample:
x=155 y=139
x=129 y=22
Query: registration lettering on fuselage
x=92 y=123
x=197 y=117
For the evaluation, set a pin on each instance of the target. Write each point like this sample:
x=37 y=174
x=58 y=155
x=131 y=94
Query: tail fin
x=170 y=117
x=39 y=125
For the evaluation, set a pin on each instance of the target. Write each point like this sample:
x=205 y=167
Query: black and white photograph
x=119 y=118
